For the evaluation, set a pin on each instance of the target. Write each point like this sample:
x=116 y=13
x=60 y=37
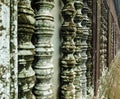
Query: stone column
x=68 y=31
x=78 y=19
x=84 y=49
x=43 y=65
x=26 y=75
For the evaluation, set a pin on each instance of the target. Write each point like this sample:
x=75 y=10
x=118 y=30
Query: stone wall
x=4 y=51
x=8 y=49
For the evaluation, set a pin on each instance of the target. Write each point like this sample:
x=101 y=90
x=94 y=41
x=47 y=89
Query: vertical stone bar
x=43 y=66
x=68 y=62
x=13 y=50
x=89 y=51
x=4 y=49
x=26 y=75
x=78 y=19
x=84 y=48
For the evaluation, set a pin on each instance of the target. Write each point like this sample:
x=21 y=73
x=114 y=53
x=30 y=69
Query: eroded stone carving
x=84 y=48
x=68 y=62
x=43 y=66
x=13 y=50
x=26 y=75
x=78 y=19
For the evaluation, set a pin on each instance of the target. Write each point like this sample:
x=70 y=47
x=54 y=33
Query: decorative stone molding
x=68 y=62
x=43 y=65
x=89 y=51
x=26 y=75
x=84 y=48
x=78 y=19
x=13 y=50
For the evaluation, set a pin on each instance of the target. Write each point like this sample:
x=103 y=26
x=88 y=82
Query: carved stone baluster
x=68 y=48
x=112 y=40
x=84 y=48
x=102 y=45
x=89 y=50
x=26 y=75
x=103 y=39
x=78 y=18
x=42 y=65
x=106 y=39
